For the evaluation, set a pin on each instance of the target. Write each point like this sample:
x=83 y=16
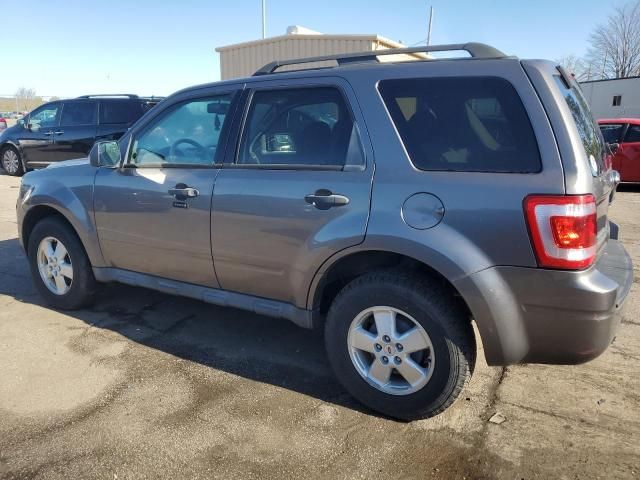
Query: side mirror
x=105 y=154
x=33 y=127
x=613 y=147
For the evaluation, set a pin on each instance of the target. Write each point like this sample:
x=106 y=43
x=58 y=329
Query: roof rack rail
x=109 y=95
x=476 y=50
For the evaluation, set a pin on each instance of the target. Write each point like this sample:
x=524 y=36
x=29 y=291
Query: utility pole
x=430 y=24
x=264 y=19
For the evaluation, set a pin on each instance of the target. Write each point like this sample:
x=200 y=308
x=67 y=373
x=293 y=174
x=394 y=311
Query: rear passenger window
x=305 y=127
x=120 y=111
x=78 y=113
x=468 y=124
x=633 y=134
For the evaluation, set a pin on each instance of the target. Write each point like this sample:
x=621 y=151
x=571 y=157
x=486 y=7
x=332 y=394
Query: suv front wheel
x=59 y=265
x=400 y=344
x=11 y=162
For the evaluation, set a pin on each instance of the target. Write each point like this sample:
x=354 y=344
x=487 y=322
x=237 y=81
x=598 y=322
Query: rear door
x=77 y=131
x=630 y=155
x=295 y=190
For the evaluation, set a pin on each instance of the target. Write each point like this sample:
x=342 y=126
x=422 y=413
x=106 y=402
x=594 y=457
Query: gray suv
x=393 y=204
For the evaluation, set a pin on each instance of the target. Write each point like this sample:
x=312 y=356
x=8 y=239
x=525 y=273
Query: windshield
x=585 y=123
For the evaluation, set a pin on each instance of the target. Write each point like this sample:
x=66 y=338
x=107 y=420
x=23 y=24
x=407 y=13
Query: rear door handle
x=49 y=133
x=59 y=132
x=183 y=192
x=325 y=199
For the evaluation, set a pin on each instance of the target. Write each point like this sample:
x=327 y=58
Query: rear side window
x=467 y=124
x=120 y=111
x=78 y=113
x=611 y=132
x=300 y=127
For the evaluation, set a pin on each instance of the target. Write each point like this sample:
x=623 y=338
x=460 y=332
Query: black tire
x=83 y=286
x=4 y=161
x=435 y=309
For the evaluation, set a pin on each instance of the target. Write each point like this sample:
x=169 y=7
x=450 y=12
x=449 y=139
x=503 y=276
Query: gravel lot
x=145 y=385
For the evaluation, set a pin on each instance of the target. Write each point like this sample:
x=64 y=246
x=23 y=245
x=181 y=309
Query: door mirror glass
x=105 y=154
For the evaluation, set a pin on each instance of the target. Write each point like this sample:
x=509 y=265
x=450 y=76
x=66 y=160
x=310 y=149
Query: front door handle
x=325 y=199
x=48 y=133
x=58 y=132
x=182 y=192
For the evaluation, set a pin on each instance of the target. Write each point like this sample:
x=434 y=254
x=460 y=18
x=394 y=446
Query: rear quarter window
x=120 y=111
x=467 y=124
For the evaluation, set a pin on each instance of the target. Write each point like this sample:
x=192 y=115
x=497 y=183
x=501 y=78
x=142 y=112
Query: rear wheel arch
x=353 y=265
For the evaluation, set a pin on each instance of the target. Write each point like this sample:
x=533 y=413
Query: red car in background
x=626 y=133
x=3 y=124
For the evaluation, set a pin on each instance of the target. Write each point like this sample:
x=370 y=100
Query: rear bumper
x=532 y=315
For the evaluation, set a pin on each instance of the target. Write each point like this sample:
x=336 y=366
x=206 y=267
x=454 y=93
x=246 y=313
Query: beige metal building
x=243 y=59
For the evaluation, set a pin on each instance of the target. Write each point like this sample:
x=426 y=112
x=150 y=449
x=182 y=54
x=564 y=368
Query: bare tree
x=25 y=98
x=615 y=45
x=578 y=67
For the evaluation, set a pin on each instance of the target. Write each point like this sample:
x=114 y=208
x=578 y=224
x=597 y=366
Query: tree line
x=614 y=47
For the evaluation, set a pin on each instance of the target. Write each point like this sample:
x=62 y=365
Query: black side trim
x=262 y=306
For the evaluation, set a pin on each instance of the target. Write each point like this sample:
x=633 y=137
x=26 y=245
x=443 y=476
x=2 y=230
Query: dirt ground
x=145 y=385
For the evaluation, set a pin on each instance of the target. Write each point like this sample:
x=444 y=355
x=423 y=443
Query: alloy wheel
x=390 y=350
x=10 y=161
x=54 y=265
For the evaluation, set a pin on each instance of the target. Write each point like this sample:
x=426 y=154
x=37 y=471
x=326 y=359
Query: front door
x=630 y=155
x=76 y=134
x=153 y=212
x=36 y=141
x=295 y=191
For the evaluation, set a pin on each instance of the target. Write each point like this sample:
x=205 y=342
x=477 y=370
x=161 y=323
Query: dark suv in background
x=67 y=129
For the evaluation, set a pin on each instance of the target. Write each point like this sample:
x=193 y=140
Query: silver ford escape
x=391 y=203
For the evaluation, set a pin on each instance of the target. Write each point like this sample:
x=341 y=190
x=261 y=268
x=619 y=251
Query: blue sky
x=73 y=47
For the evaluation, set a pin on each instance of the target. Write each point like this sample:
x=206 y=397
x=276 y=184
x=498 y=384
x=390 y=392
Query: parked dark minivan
x=67 y=129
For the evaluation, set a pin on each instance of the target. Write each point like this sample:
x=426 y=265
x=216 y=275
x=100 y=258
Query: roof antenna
x=430 y=24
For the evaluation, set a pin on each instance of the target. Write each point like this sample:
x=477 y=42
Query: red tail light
x=563 y=230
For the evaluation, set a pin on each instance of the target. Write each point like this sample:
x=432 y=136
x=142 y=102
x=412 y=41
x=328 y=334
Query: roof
x=384 y=42
x=331 y=71
x=634 y=121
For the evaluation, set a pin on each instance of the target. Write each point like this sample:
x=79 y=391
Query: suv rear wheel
x=59 y=265
x=11 y=162
x=400 y=344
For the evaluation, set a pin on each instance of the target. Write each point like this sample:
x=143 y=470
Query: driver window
x=186 y=135
x=45 y=116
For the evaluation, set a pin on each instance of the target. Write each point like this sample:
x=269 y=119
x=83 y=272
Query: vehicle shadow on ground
x=255 y=347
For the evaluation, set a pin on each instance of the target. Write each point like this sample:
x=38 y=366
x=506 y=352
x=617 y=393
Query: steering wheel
x=202 y=151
